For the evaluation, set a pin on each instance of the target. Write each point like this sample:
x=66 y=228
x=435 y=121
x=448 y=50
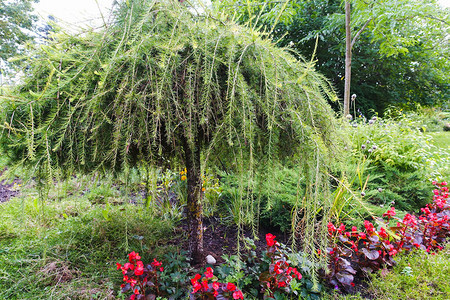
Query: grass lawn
x=441 y=139
x=68 y=246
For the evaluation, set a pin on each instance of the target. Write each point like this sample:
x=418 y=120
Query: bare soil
x=7 y=191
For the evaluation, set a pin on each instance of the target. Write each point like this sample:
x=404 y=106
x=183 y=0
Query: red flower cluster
x=141 y=280
x=280 y=274
x=205 y=289
x=390 y=213
x=371 y=250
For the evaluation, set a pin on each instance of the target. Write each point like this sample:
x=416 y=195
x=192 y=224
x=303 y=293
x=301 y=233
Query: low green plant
x=425 y=119
x=175 y=277
x=99 y=194
x=273 y=273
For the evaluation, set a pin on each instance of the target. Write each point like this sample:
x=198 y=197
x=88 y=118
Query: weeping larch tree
x=165 y=84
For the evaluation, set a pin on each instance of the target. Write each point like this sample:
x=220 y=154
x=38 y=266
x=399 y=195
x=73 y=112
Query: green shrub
x=395 y=157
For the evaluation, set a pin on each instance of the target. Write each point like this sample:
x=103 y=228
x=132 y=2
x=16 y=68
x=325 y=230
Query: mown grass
x=66 y=247
x=441 y=139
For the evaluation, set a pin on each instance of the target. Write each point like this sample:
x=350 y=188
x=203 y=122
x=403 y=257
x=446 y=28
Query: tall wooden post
x=348 y=58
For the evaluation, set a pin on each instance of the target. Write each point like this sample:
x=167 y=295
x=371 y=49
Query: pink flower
x=382 y=233
x=426 y=210
x=195 y=279
x=139 y=268
x=410 y=220
x=296 y=274
x=156 y=263
x=393 y=252
x=369 y=227
x=197 y=286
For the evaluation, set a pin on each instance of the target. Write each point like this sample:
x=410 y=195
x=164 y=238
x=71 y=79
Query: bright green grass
x=441 y=139
x=416 y=276
x=67 y=247
x=439 y=161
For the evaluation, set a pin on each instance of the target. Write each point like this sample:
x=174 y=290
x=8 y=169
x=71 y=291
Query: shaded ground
x=7 y=191
x=221 y=239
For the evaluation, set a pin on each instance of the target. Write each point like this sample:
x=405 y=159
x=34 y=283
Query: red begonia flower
x=270 y=239
x=230 y=286
x=209 y=273
x=238 y=295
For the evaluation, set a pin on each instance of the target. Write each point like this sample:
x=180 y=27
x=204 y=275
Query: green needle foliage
x=164 y=85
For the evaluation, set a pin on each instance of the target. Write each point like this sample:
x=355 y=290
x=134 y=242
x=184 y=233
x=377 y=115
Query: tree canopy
x=166 y=85
x=16 y=24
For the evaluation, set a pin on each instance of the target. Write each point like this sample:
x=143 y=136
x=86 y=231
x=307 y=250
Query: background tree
x=386 y=20
x=397 y=60
x=17 y=23
x=166 y=86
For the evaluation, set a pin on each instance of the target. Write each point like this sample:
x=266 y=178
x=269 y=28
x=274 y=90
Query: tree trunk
x=194 y=203
x=348 y=58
